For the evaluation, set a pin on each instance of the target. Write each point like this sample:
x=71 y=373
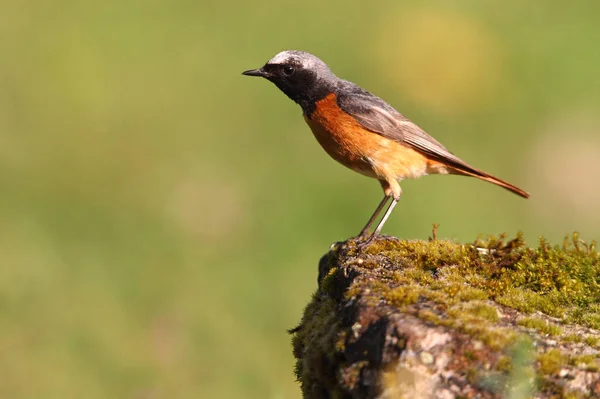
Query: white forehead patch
x=285 y=57
x=281 y=58
x=307 y=60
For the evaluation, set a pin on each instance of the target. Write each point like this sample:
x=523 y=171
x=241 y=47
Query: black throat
x=308 y=100
x=307 y=92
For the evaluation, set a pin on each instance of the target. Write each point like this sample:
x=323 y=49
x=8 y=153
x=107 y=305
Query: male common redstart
x=363 y=132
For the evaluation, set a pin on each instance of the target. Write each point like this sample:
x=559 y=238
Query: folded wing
x=379 y=117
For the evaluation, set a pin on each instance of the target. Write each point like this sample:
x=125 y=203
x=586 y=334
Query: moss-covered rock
x=446 y=320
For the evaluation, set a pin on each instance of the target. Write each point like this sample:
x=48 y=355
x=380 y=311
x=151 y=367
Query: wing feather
x=379 y=117
x=376 y=115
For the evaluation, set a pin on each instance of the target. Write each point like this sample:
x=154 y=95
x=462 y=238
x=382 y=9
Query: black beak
x=255 y=72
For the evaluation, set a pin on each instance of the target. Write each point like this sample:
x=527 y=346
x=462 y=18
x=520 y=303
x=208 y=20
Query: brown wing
x=379 y=117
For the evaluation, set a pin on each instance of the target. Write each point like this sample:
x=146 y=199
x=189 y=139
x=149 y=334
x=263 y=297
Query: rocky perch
x=440 y=319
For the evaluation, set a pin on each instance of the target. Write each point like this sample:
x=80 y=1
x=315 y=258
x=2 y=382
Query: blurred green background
x=162 y=216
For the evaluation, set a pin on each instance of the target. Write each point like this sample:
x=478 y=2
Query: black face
x=299 y=83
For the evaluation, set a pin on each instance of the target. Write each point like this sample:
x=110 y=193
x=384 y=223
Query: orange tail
x=470 y=171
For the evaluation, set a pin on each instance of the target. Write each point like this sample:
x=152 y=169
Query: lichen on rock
x=441 y=319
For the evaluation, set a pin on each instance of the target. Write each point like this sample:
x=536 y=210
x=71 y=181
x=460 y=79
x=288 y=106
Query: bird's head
x=302 y=76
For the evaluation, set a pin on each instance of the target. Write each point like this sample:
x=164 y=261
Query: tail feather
x=470 y=171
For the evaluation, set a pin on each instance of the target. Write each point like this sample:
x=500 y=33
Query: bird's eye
x=288 y=70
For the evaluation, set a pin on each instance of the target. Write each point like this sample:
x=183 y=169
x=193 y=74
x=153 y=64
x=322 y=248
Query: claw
x=364 y=244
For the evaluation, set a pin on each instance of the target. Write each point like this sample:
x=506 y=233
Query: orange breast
x=359 y=149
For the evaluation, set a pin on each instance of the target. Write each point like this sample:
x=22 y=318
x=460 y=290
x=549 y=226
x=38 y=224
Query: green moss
x=541 y=325
x=587 y=362
x=314 y=343
x=592 y=320
x=496 y=338
x=329 y=280
x=558 y=281
x=439 y=297
x=430 y=317
x=554 y=280
x=403 y=295
x=575 y=338
x=528 y=301
x=482 y=310
x=456 y=285
x=471 y=294
x=472 y=313
x=414 y=275
x=376 y=288
x=551 y=361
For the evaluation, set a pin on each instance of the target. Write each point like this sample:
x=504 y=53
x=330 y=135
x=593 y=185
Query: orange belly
x=361 y=150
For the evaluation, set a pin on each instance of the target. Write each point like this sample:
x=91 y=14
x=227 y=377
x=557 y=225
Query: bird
x=363 y=132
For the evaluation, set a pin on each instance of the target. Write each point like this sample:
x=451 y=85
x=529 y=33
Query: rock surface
x=439 y=319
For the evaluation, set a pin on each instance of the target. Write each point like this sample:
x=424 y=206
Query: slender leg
x=380 y=225
x=385 y=217
x=393 y=190
x=365 y=229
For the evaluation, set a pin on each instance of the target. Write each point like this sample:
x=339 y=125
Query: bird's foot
x=363 y=235
x=364 y=240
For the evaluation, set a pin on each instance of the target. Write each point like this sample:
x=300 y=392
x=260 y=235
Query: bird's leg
x=395 y=192
x=385 y=217
x=365 y=229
